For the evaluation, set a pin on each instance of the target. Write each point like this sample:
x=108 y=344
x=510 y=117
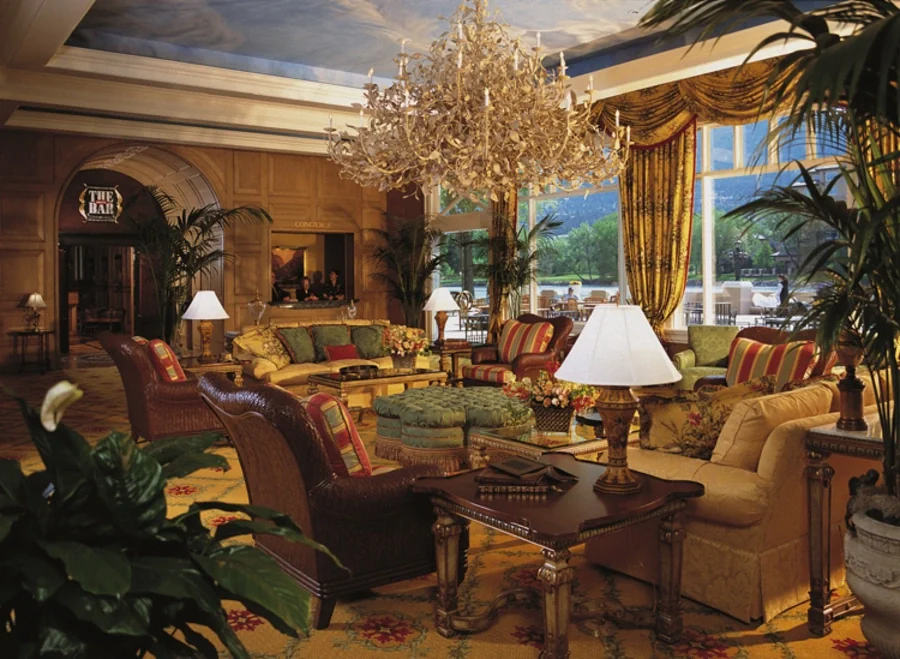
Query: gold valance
x=656 y=114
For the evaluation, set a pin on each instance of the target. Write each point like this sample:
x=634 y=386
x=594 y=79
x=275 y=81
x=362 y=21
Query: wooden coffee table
x=234 y=369
x=486 y=446
x=556 y=523
x=341 y=387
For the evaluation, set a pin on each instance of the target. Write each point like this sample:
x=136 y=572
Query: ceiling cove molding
x=125 y=99
x=31 y=31
x=168 y=133
x=169 y=73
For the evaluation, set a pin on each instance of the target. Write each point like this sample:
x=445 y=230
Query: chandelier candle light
x=206 y=308
x=617 y=350
x=441 y=301
x=480 y=115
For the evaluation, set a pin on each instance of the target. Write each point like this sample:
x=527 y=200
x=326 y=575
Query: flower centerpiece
x=553 y=401
x=404 y=344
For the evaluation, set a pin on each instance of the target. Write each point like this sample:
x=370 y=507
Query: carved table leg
x=556 y=577
x=818 y=477
x=671 y=543
x=239 y=378
x=447 y=529
x=477 y=457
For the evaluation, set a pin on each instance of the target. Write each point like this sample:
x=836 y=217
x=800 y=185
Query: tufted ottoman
x=432 y=425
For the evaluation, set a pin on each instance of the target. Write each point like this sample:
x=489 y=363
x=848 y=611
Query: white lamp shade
x=205 y=306
x=618 y=348
x=35 y=301
x=441 y=300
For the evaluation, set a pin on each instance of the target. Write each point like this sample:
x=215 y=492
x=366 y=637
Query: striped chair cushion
x=519 y=338
x=345 y=449
x=497 y=373
x=165 y=361
x=787 y=361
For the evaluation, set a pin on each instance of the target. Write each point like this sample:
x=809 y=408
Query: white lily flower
x=56 y=400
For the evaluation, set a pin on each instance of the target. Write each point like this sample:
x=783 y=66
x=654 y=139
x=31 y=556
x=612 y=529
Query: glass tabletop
x=541 y=439
x=380 y=373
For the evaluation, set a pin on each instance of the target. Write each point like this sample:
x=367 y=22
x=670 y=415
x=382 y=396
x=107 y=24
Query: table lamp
x=617 y=350
x=441 y=301
x=33 y=316
x=206 y=308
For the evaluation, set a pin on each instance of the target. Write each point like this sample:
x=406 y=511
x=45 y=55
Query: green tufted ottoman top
x=447 y=407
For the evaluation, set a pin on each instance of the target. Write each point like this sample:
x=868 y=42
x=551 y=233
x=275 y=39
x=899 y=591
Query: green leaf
x=166 y=450
x=99 y=571
x=110 y=615
x=7 y=520
x=250 y=575
x=40 y=577
x=198 y=641
x=131 y=484
x=188 y=463
x=54 y=641
x=12 y=480
x=178 y=578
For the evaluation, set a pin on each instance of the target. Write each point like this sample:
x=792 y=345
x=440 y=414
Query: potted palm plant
x=93 y=567
x=179 y=244
x=843 y=85
x=408 y=256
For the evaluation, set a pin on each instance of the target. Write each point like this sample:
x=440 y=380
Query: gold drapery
x=657 y=200
x=656 y=189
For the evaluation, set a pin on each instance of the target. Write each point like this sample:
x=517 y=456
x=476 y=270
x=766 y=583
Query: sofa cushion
x=344 y=448
x=751 y=422
x=263 y=342
x=690 y=423
x=518 y=338
x=165 y=362
x=294 y=374
x=298 y=343
x=369 y=341
x=259 y=367
x=786 y=361
x=336 y=353
x=498 y=373
x=329 y=335
x=711 y=343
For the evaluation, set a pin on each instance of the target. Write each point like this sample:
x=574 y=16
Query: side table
x=821 y=442
x=21 y=339
x=234 y=369
x=450 y=354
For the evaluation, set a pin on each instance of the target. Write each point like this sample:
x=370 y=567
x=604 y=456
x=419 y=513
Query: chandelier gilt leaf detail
x=479 y=114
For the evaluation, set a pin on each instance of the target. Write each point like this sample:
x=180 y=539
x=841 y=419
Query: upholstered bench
x=432 y=425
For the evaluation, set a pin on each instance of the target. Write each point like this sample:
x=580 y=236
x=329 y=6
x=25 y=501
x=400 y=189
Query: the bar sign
x=100 y=203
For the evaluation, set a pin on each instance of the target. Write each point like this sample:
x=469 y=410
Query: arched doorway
x=101 y=282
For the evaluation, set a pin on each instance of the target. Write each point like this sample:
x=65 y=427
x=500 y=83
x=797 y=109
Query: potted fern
x=92 y=567
x=843 y=86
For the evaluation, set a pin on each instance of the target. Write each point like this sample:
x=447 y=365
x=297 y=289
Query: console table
x=21 y=339
x=821 y=442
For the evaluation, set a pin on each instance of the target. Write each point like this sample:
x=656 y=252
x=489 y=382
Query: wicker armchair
x=156 y=408
x=375 y=525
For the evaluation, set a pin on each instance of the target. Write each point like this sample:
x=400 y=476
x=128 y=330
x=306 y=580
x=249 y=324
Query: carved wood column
x=503 y=243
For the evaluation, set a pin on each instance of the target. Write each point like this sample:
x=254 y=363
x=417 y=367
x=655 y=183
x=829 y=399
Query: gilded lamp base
x=616 y=406
x=206 y=330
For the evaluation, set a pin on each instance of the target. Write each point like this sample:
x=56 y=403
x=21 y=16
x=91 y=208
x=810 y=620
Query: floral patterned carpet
x=398 y=619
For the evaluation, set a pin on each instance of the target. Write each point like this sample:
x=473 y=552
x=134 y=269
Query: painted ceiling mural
x=328 y=40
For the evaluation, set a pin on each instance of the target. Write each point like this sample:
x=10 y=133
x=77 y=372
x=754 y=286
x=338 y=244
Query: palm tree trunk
x=505 y=218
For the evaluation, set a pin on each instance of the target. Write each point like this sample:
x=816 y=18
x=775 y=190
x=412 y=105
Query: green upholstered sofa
x=707 y=354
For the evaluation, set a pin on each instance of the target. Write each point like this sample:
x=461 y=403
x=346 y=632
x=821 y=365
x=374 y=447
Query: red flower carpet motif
x=856 y=649
x=700 y=645
x=222 y=519
x=182 y=490
x=526 y=577
x=243 y=620
x=529 y=635
x=385 y=631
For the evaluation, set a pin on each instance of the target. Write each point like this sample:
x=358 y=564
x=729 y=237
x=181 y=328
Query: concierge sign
x=100 y=203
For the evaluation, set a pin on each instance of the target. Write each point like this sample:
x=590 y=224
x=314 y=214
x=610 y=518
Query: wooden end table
x=234 y=369
x=21 y=339
x=821 y=442
x=450 y=355
x=341 y=387
x=555 y=522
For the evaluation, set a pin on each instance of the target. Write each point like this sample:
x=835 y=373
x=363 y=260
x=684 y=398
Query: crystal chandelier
x=478 y=113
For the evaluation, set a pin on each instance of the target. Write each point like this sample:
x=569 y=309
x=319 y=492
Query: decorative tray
x=360 y=372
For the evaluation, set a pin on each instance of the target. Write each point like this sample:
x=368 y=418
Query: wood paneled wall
x=303 y=194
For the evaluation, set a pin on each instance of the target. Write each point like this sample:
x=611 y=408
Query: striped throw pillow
x=787 y=361
x=165 y=361
x=345 y=450
x=496 y=373
x=518 y=338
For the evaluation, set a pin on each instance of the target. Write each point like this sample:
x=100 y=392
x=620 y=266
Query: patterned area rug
x=398 y=619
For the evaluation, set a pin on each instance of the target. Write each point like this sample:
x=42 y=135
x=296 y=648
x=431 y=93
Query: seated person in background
x=333 y=289
x=572 y=295
x=278 y=293
x=305 y=292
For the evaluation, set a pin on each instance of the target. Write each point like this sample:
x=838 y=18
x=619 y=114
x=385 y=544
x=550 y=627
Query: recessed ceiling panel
x=328 y=40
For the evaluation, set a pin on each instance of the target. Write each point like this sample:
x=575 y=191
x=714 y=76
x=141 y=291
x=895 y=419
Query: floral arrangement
x=402 y=341
x=547 y=391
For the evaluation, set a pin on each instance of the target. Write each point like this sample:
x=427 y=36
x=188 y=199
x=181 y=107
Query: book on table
x=521 y=475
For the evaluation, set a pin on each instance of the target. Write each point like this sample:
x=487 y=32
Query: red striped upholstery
x=519 y=338
x=788 y=362
x=165 y=361
x=497 y=373
x=345 y=449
